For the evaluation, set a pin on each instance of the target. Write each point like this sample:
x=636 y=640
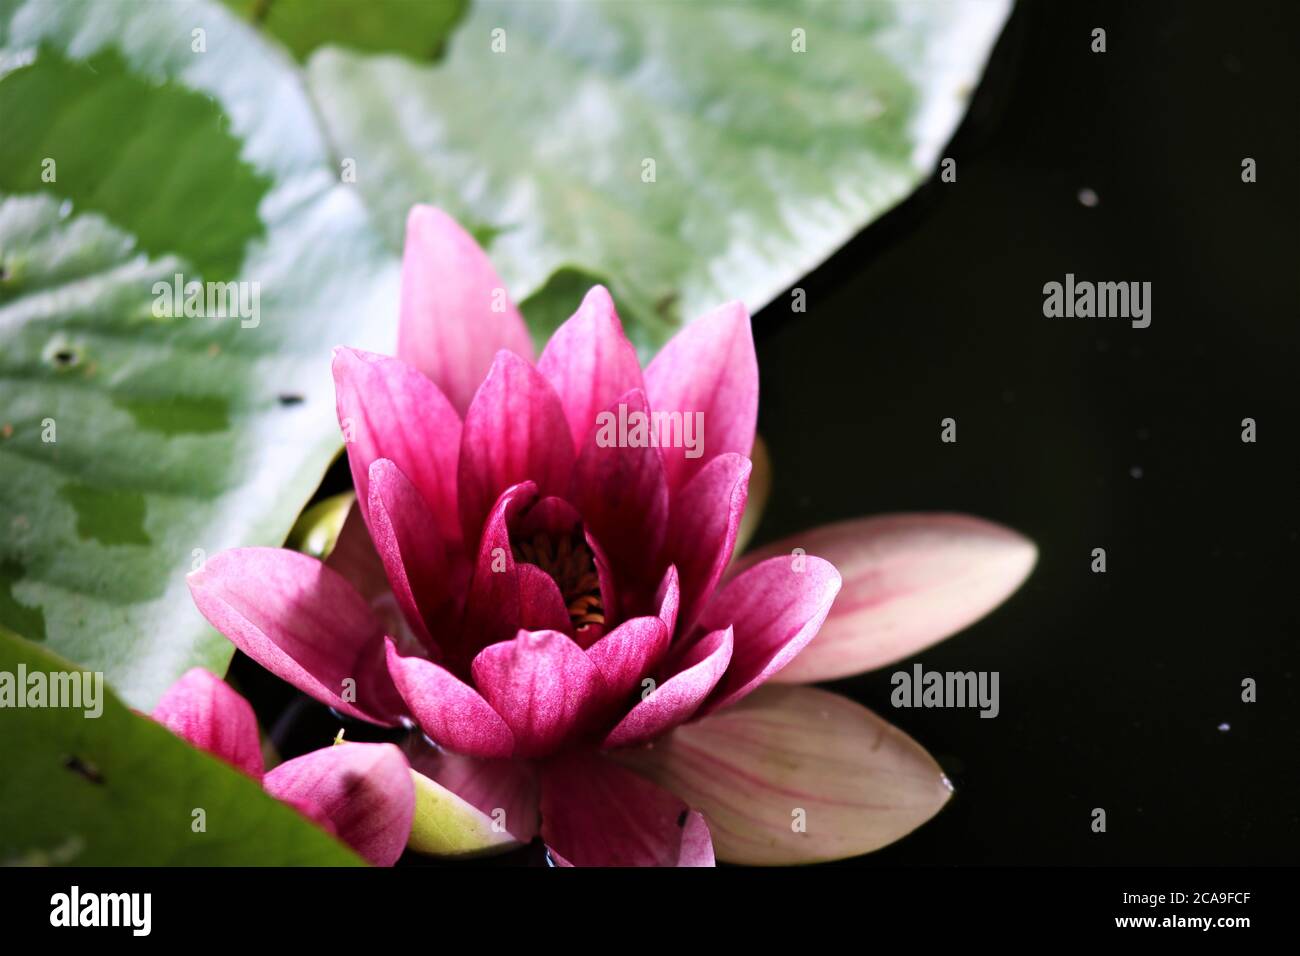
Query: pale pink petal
x=590 y=362
x=505 y=790
x=304 y=623
x=623 y=496
x=910 y=580
x=452 y=714
x=708 y=367
x=542 y=684
x=595 y=813
x=706 y=518
x=515 y=431
x=679 y=697
x=628 y=653
x=411 y=550
x=365 y=791
x=796 y=775
x=775 y=609
x=455 y=313
x=387 y=409
x=207 y=712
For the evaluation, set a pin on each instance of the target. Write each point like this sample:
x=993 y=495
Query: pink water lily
x=555 y=611
x=362 y=793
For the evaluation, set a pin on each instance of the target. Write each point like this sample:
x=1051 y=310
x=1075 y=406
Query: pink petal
x=542 y=684
x=595 y=813
x=387 y=409
x=668 y=599
x=909 y=580
x=541 y=606
x=410 y=548
x=304 y=623
x=679 y=697
x=515 y=431
x=492 y=607
x=449 y=711
x=364 y=791
x=623 y=496
x=706 y=518
x=628 y=653
x=207 y=712
x=590 y=362
x=502 y=789
x=709 y=367
x=790 y=755
x=455 y=314
x=775 y=609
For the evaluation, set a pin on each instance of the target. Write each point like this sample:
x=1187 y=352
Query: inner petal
x=565 y=556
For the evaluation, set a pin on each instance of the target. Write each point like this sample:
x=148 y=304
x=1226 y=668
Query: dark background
x=1112 y=685
x=1080 y=433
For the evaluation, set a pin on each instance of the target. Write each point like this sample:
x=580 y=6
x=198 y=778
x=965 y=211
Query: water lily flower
x=363 y=794
x=559 y=612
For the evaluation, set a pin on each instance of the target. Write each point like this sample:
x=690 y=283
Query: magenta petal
x=708 y=367
x=775 y=608
x=542 y=684
x=596 y=813
x=679 y=697
x=590 y=362
x=492 y=607
x=515 y=431
x=304 y=623
x=207 y=712
x=364 y=791
x=387 y=409
x=411 y=549
x=541 y=606
x=501 y=789
x=668 y=599
x=448 y=710
x=706 y=518
x=628 y=653
x=455 y=313
x=623 y=496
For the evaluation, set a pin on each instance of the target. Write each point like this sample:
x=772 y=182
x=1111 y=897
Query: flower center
x=570 y=563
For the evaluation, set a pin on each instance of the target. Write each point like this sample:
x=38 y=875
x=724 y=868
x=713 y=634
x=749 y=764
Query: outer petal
x=502 y=789
x=595 y=813
x=452 y=713
x=303 y=622
x=542 y=684
x=590 y=362
x=706 y=519
x=387 y=409
x=679 y=697
x=797 y=754
x=456 y=314
x=410 y=548
x=515 y=431
x=708 y=367
x=623 y=496
x=775 y=609
x=364 y=791
x=909 y=580
x=207 y=712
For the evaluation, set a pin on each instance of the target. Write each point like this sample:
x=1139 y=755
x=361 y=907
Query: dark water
x=1081 y=433
x=1087 y=433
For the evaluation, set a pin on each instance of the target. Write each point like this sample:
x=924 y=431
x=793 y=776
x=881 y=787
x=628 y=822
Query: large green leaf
x=117 y=789
x=173 y=152
x=536 y=126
